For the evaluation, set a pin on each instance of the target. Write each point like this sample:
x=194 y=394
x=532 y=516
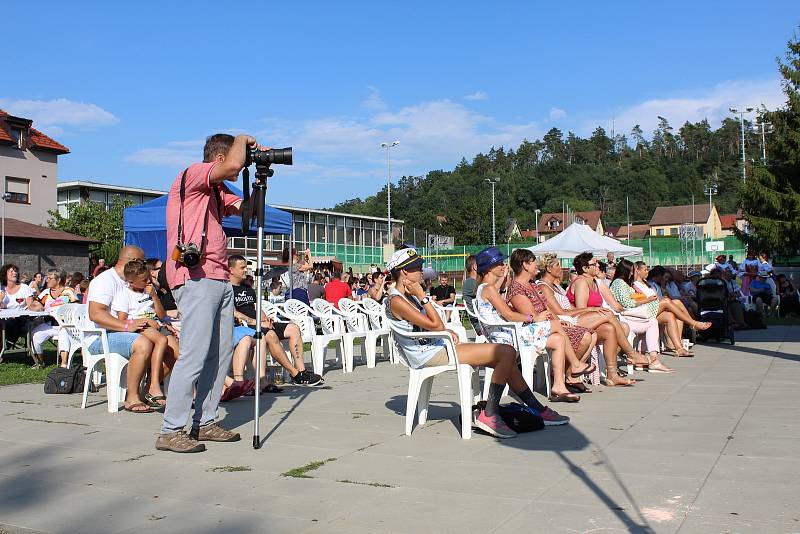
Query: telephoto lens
x=276 y=156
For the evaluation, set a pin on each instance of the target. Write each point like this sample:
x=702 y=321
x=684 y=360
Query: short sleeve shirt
x=136 y=305
x=17 y=301
x=244 y=300
x=103 y=290
x=443 y=292
x=200 y=202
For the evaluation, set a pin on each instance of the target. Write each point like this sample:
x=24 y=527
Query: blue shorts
x=241 y=332
x=119 y=342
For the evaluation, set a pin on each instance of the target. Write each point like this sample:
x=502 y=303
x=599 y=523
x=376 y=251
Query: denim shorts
x=241 y=332
x=119 y=342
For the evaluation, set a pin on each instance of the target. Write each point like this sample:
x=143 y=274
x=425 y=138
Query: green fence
x=655 y=251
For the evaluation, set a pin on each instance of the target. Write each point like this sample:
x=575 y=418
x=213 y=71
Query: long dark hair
x=624 y=271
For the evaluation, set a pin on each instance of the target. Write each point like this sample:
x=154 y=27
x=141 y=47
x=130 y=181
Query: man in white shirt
x=123 y=337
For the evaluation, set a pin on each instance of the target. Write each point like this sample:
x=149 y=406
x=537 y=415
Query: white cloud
x=59 y=115
x=175 y=154
x=556 y=113
x=374 y=101
x=477 y=95
x=711 y=104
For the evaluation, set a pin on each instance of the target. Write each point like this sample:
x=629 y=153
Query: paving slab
x=710 y=449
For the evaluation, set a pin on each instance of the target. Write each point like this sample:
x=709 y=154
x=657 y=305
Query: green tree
x=770 y=198
x=90 y=219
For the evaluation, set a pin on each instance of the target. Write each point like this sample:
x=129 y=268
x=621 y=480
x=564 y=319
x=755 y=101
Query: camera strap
x=218 y=201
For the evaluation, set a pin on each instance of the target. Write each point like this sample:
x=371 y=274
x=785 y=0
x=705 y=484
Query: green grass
x=300 y=472
x=16 y=368
x=229 y=469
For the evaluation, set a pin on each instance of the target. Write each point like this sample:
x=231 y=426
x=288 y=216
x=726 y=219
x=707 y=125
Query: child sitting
x=139 y=301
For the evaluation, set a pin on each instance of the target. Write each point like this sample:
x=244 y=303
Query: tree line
x=608 y=173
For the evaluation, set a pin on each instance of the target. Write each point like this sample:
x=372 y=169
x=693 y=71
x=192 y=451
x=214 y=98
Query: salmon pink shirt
x=200 y=201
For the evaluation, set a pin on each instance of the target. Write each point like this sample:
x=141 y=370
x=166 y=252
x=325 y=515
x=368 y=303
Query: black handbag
x=62 y=380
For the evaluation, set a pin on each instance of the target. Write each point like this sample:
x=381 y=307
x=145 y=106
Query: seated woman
x=409 y=310
x=611 y=333
x=790 y=303
x=540 y=331
x=647 y=324
x=526 y=298
x=670 y=314
x=644 y=280
x=15 y=295
x=56 y=294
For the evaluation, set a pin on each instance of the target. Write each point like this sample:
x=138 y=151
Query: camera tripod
x=255 y=205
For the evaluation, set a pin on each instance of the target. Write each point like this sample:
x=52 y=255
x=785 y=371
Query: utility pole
x=493 y=181
x=741 y=113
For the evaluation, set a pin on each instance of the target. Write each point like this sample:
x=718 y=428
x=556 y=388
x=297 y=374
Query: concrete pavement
x=712 y=448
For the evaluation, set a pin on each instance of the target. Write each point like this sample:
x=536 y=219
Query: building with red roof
x=28 y=169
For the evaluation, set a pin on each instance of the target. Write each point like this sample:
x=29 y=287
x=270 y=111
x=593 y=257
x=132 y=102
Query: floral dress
x=532 y=335
x=539 y=301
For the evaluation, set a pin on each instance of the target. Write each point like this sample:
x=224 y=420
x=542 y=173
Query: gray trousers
x=206 y=308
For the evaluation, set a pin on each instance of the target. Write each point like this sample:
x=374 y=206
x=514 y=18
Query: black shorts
x=279 y=328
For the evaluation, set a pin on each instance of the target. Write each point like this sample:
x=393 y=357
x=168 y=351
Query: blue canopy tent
x=146 y=225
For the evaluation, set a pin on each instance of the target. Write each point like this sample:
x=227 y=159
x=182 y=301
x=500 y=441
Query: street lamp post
x=741 y=113
x=493 y=181
x=536 y=215
x=388 y=146
x=6 y=196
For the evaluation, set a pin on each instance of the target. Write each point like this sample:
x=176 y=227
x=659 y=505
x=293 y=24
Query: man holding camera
x=197 y=273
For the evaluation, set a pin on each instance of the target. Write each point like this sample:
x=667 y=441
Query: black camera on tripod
x=273 y=156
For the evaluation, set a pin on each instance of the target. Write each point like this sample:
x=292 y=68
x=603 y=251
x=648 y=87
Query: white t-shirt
x=136 y=305
x=103 y=289
x=17 y=301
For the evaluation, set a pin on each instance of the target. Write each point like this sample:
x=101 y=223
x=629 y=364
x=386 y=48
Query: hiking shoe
x=178 y=441
x=214 y=432
x=307 y=378
x=494 y=425
x=553 y=418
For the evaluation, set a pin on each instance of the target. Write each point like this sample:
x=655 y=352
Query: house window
x=16 y=134
x=659 y=231
x=553 y=224
x=579 y=220
x=18 y=190
x=673 y=231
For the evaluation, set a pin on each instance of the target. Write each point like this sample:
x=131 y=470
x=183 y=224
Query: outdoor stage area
x=711 y=449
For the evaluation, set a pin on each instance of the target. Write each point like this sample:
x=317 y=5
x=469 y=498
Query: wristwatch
x=425 y=300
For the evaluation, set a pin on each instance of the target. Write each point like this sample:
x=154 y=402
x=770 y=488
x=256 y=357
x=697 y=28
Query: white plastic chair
x=353 y=326
x=453 y=322
x=332 y=330
x=527 y=355
x=420 y=382
x=116 y=365
x=69 y=317
x=378 y=328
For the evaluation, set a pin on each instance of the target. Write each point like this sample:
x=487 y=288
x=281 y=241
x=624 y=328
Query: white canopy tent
x=579 y=238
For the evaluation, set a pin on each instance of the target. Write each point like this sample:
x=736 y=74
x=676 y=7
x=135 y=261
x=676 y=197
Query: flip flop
x=563 y=397
x=578 y=387
x=152 y=400
x=132 y=408
x=589 y=370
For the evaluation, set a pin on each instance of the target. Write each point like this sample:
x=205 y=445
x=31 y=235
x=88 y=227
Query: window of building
x=19 y=139
x=659 y=231
x=673 y=231
x=18 y=190
x=579 y=220
x=553 y=224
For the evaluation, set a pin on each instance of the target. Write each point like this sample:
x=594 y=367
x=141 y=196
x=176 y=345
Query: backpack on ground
x=519 y=417
x=62 y=380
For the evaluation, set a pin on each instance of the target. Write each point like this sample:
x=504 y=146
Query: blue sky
x=133 y=89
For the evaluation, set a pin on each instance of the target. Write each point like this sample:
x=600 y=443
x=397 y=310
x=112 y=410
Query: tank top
x=595 y=298
x=416 y=351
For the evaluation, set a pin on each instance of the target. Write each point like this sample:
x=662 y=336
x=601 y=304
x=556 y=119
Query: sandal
x=133 y=408
x=153 y=400
x=683 y=353
x=701 y=326
x=638 y=360
x=618 y=381
x=563 y=397
x=658 y=367
x=578 y=387
x=589 y=370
